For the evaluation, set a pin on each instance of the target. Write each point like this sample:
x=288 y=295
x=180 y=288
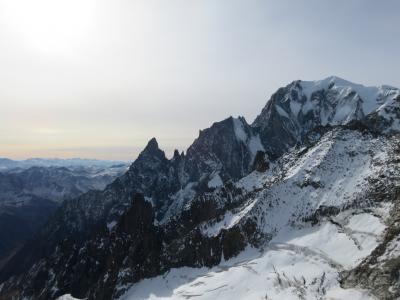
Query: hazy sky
x=98 y=78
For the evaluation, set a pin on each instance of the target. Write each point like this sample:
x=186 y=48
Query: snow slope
x=299 y=263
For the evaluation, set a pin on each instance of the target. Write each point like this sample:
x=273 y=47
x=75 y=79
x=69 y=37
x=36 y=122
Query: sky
x=99 y=78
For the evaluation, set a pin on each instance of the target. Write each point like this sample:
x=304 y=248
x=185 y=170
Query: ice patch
x=111 y=225
x=365 y=221
x=67 y=297
x=239 y=130
x=295 y=107
x=255 y=145
x=215 y=181
x=281 y=111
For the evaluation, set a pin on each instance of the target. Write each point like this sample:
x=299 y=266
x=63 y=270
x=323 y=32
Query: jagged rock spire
x=152 y=145
x=152 y=149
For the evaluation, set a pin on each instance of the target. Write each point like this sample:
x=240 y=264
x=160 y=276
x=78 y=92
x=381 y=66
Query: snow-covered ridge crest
x=367 y=93
x=333 y=173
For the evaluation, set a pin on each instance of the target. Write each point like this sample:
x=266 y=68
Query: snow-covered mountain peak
x=323 y=84
x=300 y=107
x=328 y=81
x=369 y=95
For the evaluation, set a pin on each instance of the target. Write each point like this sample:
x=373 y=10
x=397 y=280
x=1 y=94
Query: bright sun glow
x=50 y=26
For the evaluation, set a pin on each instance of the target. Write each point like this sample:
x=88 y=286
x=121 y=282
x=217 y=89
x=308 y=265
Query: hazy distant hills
x=6 y=163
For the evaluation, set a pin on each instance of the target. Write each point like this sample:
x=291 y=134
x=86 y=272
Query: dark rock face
x=278 y=132
x=261 y=163
x=322 y=212
x=135 y=244
x=218 y=148
x=154 y=175
x=19 y=224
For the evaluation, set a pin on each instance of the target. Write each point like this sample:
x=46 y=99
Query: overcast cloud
x=98 y=78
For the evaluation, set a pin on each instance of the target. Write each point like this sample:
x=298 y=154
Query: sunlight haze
x=98 y=79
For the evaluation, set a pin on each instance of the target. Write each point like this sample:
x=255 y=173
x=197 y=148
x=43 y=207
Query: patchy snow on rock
x=230 y=219
x=179 y=200
x=392 y=250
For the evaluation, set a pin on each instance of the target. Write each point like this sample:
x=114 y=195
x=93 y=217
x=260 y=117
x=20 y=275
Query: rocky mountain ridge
x=238 y=185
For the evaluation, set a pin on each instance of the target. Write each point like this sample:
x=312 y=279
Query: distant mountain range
x=6 y=163
x=303 y=203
